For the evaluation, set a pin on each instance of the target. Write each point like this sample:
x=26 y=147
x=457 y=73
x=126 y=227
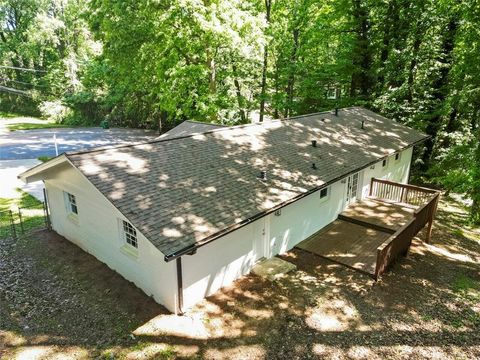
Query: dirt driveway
x=58 y=302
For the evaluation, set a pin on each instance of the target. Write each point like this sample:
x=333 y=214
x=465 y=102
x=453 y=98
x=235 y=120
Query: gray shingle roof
x=189 y=127
x=180 y=191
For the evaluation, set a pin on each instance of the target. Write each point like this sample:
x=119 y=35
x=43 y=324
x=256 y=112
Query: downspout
x=179 y=286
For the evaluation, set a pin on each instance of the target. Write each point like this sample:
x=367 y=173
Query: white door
x=260 y=239
x=352 y=189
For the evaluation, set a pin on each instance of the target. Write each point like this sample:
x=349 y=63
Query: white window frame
x=129 y=234
x=128 y=238
x=71 y=206
x=326 y=197
x=70 y=203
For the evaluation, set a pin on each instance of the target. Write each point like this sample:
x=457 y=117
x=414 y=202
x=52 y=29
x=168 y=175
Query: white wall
x=305 y=217
x=214 y=265
x=226 y=259
x=219 y=263
x=97 y=232
x=396 y=170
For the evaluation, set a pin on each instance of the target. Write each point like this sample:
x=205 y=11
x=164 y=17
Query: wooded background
x=155 y=63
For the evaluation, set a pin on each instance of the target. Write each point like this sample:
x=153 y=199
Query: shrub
x=55 y=111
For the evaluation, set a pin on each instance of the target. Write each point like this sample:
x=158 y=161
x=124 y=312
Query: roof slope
x=189 y=127
x=180 y=191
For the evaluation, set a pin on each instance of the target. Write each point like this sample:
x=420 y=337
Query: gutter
x=179 y=286
x=192 y=248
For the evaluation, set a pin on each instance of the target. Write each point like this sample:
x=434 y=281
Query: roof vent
x=263 y=175
x=314 y=143
x=314 y=166
x=363 y=124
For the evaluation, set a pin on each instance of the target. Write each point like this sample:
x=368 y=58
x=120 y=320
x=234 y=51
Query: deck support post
x=430 y=220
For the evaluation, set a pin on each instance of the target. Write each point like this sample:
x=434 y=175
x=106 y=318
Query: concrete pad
x=273 y=268
x=9 y=170
x=190 y=327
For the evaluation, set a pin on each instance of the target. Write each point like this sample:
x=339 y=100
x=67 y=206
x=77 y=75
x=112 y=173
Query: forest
x=155 y=63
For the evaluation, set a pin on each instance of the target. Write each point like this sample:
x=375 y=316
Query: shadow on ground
x=55 y=299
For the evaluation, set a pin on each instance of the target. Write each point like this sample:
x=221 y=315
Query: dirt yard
x=58 y=302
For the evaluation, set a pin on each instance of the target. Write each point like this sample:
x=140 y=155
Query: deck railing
x=399 y=242
x=404 y=193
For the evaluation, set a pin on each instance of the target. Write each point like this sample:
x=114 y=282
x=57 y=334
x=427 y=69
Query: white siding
x=396 y=170
x=219 y=263
x=98 y=233
x=214 y=265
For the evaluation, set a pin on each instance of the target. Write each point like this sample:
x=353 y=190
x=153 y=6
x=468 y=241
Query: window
x=397 y=156
x=130 y=234
x=324 y=194
x=71 y=203
x=384 y=163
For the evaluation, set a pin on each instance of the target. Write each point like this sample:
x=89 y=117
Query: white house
x=182 y=217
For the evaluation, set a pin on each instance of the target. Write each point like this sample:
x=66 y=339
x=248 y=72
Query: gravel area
x=57 y=301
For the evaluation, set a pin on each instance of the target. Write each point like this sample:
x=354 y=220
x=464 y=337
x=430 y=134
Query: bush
x=55 y=111
x=87 y=108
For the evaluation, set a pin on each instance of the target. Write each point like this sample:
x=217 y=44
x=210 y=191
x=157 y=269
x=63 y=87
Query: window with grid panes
x=130 y=234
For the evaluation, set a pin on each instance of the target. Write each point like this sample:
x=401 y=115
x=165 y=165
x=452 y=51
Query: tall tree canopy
x=155 y=63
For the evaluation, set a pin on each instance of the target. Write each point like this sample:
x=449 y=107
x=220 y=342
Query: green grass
x=44 y=158
x=31 y=210
x=8 y=115
x=458 y=232
x=34 y=126
x=466 y=287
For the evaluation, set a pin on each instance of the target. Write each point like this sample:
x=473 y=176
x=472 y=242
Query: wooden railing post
x=371 y=187
x=431 y=215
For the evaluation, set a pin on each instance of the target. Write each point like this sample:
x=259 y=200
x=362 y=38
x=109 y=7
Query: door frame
x=261 y=231
x=349 y=187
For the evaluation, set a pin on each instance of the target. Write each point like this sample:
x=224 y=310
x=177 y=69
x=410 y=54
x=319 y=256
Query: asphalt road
x=30 y=144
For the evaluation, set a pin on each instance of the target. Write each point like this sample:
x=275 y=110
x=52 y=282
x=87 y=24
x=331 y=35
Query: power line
x=21 y=68
x=14 y=91
x=21 y=82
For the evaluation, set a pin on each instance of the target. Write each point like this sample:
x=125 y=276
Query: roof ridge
x=225 y=128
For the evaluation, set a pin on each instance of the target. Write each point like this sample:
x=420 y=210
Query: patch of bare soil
x=56 y=300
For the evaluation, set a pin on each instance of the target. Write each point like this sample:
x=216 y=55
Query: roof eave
x=31 y=175
x=191 y=249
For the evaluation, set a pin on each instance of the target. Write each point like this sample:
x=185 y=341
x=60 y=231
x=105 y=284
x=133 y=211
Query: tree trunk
x=212 y=74
x=413 y=65
x=362 y=56
x=239 y=94
x=162 y=120
x=441 y=90
x=268 y=5
x=277 y=89
x=475 y=208
x=291 y=76
x=389 y=23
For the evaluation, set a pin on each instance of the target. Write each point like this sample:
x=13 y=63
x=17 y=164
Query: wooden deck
x=353 y=238
x=389 y=215
x=348 y=244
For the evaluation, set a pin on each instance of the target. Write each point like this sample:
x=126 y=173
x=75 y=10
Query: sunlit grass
x=8 y=115
x=34 y=126
x=44 y=158
x=25 y=205
x=467 y=287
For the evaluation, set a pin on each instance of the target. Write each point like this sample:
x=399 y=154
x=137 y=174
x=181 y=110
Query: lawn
x=14 y=122
x=31 y=211
x=57 y=301
x=34 y=126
